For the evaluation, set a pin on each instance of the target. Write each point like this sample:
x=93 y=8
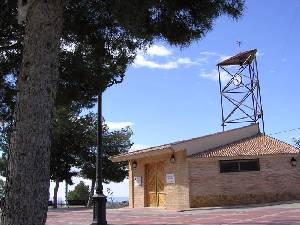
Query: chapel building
x=238 y=166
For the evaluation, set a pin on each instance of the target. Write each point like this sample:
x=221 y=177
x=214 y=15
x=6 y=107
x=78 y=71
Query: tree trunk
x=55 y=194
x=90 y=202
x=27 y=194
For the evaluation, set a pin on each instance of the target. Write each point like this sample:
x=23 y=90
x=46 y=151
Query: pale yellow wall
x=136 y=193
x=177 y=195
x=130 y=197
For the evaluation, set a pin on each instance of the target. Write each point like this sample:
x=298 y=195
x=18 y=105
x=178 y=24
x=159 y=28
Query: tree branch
x=23 y=9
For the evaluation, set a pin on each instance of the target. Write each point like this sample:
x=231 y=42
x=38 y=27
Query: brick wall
x=177 y=195
x=277 y=180
x=136 y=193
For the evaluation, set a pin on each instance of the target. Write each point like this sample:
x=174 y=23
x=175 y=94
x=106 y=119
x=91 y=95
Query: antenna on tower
x=239 y=43
x=240 y=89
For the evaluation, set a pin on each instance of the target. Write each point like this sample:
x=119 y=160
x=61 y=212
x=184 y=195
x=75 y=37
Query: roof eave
x=142 y=154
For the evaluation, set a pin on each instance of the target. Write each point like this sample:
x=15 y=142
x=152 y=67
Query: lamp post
x=99 y=199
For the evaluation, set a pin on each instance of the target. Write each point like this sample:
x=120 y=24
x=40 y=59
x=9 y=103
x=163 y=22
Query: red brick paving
x=284 y=214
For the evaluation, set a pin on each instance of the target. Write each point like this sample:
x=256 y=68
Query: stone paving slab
x=284 y=214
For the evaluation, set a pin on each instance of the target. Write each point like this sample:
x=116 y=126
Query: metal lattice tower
x=240 y=90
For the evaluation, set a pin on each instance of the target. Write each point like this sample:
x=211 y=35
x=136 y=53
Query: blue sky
x=171 y=93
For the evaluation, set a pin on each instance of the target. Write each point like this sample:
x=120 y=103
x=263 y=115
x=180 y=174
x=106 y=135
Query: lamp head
x=134 y=164
x=172 y=159
x=293 y=162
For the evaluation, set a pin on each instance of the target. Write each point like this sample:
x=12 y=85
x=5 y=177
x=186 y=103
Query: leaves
x=81 y=192
x=101 y=38
x=71 y=135
x=74 y=144
x=2 y=189
x=114 y=142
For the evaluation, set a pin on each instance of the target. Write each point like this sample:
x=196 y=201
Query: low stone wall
x=223 y=200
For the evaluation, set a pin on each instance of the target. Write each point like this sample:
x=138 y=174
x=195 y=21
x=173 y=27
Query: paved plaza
x=283 y=214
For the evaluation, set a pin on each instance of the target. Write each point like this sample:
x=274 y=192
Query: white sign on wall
x=170 y=178
x=138 y=181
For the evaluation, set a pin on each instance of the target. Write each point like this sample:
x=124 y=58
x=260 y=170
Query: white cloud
x=118 y=125
x=147 y=59
x=158 y=50
x=214 y=75
x=209 y=54
x=186 y=61
x=142 y=61
x=138 y=147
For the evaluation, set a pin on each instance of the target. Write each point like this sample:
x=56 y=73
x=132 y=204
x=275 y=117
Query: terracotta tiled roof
x=221 y=138
x=256 y=145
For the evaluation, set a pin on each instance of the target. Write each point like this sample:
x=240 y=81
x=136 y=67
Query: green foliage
x=74 y=139
x=3 y=165
x=4 y=144
x=2 y=188
x=72 y=135
x=3 y=141
x=114 y=142
x=101 y=38
x=81 y=192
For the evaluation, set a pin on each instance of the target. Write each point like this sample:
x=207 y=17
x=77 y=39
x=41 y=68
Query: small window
x=228 y=166
x=240 y=165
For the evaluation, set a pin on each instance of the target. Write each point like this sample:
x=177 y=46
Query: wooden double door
x=155 y=178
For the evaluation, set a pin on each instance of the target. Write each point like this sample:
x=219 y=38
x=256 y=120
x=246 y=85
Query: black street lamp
x=99 y=199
